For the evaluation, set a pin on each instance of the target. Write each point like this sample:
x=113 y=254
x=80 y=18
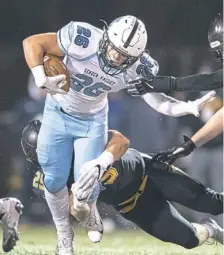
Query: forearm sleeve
x=194 y=83
x=200 y=82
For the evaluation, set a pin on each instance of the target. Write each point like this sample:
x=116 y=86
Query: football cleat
x=64 y=246
x=216 y=229
x=10 y=221
x=94 y=225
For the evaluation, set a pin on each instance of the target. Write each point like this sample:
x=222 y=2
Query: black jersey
x=123 y=178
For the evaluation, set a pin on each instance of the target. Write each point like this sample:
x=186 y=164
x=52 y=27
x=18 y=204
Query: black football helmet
x=215 y=36
x=29 y=140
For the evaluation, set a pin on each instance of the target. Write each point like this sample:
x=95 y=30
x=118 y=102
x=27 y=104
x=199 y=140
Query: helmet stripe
x=130 y=37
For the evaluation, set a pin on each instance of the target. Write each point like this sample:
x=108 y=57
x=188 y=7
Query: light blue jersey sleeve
x=65 y=36
x=78 y=39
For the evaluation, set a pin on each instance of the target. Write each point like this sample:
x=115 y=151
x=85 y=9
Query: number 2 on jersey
x=82 y=39
x=145 y=68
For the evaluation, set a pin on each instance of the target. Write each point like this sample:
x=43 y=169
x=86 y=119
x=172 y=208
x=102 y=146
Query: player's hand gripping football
x=51 y=85
x=170 y=155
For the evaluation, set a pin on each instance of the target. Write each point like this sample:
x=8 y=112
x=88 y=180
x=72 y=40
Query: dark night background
x=177 y=39
x=170 y=24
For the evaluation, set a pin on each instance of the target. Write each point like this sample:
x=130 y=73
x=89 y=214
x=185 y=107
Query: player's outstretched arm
x=117 y=144
x=93 y=170
x=116 y=147
x=195 y=82
x=175 y=108
x=210 y=130
x=200 y=82
x=168 y=84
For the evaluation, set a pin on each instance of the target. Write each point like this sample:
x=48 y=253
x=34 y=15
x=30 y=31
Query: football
x=53 y=66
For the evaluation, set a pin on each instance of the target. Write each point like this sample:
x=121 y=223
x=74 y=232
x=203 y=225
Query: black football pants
x=154 y=213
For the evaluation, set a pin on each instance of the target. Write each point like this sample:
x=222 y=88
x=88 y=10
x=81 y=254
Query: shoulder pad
x=144 y=67
x=79 y=39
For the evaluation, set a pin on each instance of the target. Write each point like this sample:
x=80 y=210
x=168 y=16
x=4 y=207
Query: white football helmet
x=127 y=35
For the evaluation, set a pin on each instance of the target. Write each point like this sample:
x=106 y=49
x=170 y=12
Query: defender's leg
x=159 y=218
x=177 y=186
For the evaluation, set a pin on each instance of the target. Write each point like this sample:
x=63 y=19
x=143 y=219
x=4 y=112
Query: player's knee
x=53 y=183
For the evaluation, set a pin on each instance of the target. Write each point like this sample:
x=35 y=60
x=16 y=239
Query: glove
x=79 y=209
x=94 y=169
x=51 y=85
x=176 y=152
x=196 y=106
x=139 y=87
x=159 y=84
x=89 y=174
x=82 y=189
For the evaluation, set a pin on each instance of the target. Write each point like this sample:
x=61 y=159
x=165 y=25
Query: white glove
x=196 y=106
x=84 y=186
x=94 y=169
x=90 y=173
x=81 y=193
x=51 y=85
x=80 y=209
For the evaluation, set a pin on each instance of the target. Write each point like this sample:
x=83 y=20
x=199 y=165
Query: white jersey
x=89 y=85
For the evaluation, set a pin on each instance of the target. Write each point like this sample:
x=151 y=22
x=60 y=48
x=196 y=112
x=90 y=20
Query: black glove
x=176 y=152
x=159 y=84
x=139 y=87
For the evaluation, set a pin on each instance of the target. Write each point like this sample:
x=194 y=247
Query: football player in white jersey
x=99 y=62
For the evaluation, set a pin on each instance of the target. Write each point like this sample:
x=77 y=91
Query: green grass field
x=34 y=240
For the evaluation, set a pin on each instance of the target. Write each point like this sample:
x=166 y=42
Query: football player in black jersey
x=141 y=191
x=197 y=82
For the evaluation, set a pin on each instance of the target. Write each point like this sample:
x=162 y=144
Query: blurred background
x=177 y=39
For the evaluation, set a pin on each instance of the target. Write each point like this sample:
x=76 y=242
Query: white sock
x=210 y=230
x=203 y=232
x=59 y=206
